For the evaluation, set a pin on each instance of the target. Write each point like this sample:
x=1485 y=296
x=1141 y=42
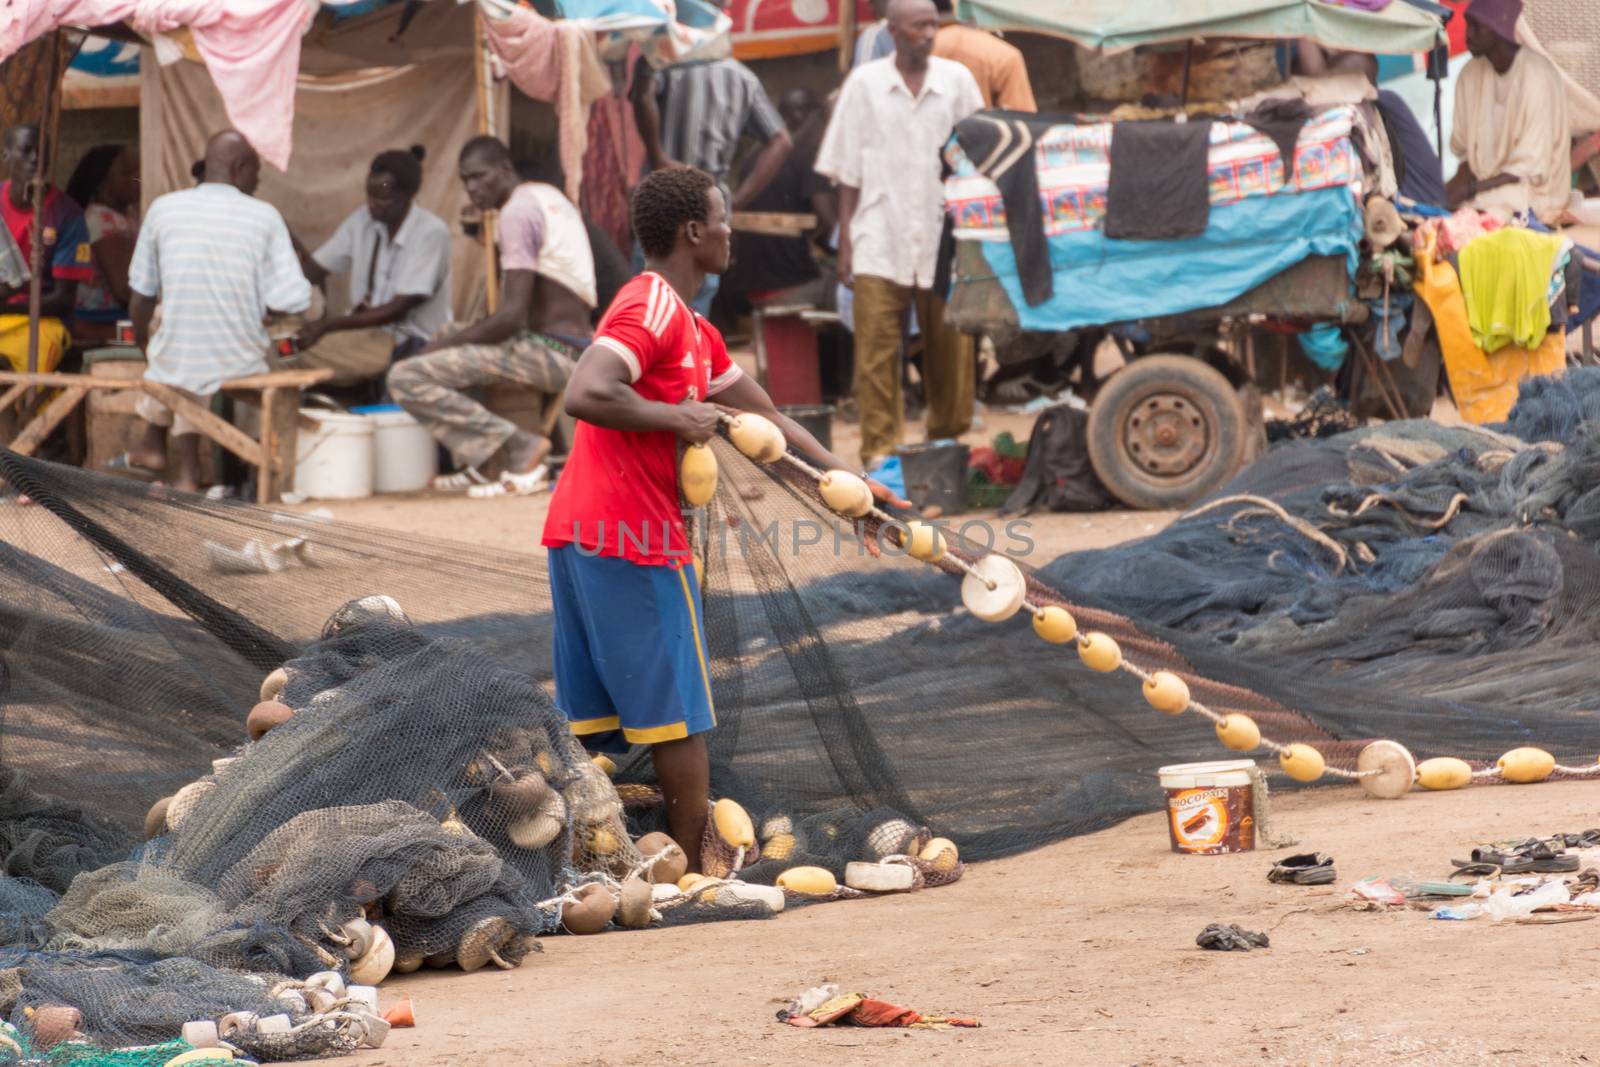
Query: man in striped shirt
x=695 y=115
x=219 y=261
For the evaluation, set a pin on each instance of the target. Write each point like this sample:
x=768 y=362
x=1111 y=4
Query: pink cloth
x=251 y=49
x=555 y=62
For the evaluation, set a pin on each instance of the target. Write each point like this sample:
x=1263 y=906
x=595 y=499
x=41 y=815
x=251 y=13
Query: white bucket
x=334 y=461
x=1210 y=806
x=405 y=456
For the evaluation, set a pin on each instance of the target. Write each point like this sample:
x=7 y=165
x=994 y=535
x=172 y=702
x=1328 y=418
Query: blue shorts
x=630 y=651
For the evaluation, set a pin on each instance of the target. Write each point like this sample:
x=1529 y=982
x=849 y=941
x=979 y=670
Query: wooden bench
x=274 y=455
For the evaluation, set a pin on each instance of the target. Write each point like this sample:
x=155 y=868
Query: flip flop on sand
x=123 y=463
x=536 y=480
x=466 y=478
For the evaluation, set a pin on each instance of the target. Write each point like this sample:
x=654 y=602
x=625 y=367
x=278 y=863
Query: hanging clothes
x=613 y=159
x=1281 y=119
x=1158 y=187
x=1001 y=145
x=1506 y=281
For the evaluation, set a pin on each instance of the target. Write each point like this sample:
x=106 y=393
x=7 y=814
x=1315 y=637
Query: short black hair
x=664 y=202
x=489 y=149
x=91 y=171
x=403 y=165
x=944 y=7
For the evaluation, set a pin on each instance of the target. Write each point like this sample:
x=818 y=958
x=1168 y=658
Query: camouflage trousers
x=434 y=389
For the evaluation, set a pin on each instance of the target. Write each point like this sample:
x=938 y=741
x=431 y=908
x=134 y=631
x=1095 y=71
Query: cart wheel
x=1165 y=431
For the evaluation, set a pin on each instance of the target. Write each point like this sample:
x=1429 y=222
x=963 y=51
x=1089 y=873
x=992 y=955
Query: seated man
x=67 y=259
x=397 y=255
x=219 y=261
x=534 y=339
x=1511 y=129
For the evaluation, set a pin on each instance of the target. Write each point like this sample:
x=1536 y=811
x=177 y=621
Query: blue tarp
x=1099 y=280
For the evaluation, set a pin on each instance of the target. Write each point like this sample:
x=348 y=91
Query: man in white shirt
x=219 y=261
x=397 y=255
x=883 y=148
x=1511 y=128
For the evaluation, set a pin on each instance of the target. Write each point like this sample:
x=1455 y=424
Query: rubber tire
x=1205 y=388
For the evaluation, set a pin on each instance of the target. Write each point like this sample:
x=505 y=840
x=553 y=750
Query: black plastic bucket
x=936 y=475
x=817 y=420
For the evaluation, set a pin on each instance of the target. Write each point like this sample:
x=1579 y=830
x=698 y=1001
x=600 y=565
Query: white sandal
x=536 y=480
x=466 y=478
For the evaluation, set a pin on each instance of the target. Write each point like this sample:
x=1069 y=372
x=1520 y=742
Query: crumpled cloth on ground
x=824 y=1006
x=556 y=62
x=251 y=49
x=1505 y=278
x=1231 y=937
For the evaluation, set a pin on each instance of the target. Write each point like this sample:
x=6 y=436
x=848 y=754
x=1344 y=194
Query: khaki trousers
x=948 y=366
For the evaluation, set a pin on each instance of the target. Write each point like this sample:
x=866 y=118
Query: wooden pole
x=847 y=34
x=47 y=122
x=491 y=282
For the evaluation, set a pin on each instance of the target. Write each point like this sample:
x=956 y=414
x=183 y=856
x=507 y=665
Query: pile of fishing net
x=1433 y=585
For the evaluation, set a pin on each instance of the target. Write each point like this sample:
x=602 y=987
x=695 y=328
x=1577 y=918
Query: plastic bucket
x=936 y=475
x=1210 y=807
x=817 y=420
x=334 y=461
x=405 y=457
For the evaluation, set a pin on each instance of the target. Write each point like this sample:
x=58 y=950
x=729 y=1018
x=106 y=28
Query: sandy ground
x=1082 y=952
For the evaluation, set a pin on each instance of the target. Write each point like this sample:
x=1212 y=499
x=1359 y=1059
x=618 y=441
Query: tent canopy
x=1117 y=25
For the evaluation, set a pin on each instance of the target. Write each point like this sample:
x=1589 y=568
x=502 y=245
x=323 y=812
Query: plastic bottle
x=1504 y=905
x=1459 y=911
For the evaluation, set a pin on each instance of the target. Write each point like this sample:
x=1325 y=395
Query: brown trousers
x=948 y=366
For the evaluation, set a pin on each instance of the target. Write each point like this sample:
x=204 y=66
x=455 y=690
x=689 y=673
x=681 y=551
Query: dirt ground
x=1082 y=952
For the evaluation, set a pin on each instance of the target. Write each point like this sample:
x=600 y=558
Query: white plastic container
x=405 y=456
x=1210 y=807
x=336 y=460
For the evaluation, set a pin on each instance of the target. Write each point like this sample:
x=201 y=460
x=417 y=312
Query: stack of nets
x=1431 y=585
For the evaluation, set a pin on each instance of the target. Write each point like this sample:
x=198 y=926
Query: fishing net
x=1428 y=584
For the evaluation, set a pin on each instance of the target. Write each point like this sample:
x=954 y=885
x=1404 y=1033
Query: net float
x=1302 y=763
x=923 y=541
x=375 y=1031
x=778 y=847
x=542 y=826
x=697 y=475
x=200 y=1055
x=942 y=853
x=1238 y=732
x=633 y=907
x=757 y=437
x=407 y=964
x=845 y=493
x=895 y=837
x=670 y=864
x=591 y=912
x=1443 y=772
x=482 y=941
x=604 y=762
x=1100 y=652
x=602 y=841
x=690 y=884
x=774 y=825
x=1387 y=770
x=155 y=820
x=51 y=1024
x=273 y=684
x=332 y=981
x=1167 y=693
x=808 y=881
x=203 y=1033
x=374 y=966
x=185 y=800
x=879 y=877
x=358 y=932
x=1055 y=624
x=995 y=589
x=266 y=716
x=1525 y=765
x=230 y=1027
x=733 y=823
x=521 y=794
x=364 y=995
x=274 y=1024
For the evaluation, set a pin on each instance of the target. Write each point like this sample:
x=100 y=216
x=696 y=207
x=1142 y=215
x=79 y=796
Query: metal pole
x=36 y=191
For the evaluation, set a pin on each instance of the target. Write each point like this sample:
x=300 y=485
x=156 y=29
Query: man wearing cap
x=1511 y=128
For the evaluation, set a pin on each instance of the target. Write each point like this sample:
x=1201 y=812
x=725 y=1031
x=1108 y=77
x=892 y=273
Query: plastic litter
x=1507 y=903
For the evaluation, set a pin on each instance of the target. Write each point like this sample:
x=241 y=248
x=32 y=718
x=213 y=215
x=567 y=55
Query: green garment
x=1505 y=278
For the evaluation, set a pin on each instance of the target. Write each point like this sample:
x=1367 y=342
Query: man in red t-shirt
x=630 y=650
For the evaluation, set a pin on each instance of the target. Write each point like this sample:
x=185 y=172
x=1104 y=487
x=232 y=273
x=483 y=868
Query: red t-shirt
x=618 y=493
